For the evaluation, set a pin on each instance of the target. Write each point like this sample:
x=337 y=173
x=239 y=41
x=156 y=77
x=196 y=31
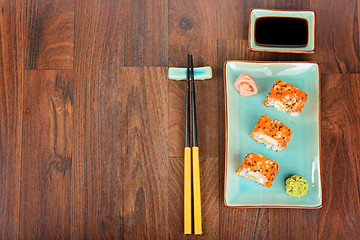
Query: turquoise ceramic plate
x=301 y=157
x=308 y=15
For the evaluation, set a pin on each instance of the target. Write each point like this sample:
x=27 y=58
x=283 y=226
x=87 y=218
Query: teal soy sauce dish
x=283 y=29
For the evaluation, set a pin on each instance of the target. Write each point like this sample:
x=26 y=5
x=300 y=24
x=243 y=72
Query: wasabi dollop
x=296 y=186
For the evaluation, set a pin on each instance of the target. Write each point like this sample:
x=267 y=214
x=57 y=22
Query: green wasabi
x=296 y=186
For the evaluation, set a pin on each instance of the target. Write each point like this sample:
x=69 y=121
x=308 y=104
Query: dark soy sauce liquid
x=281 y=32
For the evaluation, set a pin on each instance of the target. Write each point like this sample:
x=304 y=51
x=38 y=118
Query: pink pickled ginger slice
x=246 y=85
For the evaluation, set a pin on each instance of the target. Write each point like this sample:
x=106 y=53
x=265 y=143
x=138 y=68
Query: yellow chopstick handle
x=187 y=191
x=196 y=186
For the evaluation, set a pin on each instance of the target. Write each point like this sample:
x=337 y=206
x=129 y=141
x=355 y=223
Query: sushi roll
x=259 y=168
x=286 y=98
x=272 y=133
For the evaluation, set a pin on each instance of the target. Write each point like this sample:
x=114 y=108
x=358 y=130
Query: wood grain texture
x=96 y=151
x=193 y=30
x=135 y=35
x=122 y=133
x=146 y=32
x=337 y=39
x=340 y=217
x=46 y=155
x=86 y=167
x=188 y=22
x=141 y=108
x=50 y=30
x=12 y=40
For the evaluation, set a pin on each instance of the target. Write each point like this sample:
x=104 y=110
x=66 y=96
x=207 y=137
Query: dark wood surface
x=92 y=130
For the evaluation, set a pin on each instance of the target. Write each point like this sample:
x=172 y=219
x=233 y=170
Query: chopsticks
x=187 y=159
x=195 y=159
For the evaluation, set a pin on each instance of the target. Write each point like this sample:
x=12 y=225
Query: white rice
x=280 y=107
x=265 y=139
x=255 y=176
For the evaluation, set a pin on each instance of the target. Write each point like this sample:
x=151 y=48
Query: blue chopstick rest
x=200 y=73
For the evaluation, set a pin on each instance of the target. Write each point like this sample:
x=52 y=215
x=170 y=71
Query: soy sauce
x=281 y=32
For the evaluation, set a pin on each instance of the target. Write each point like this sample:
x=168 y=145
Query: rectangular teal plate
x=302 y=155
x=308 y=15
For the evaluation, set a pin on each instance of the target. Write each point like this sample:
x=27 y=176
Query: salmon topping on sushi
x=286 y=98
x=259 y=168
x=272 y=133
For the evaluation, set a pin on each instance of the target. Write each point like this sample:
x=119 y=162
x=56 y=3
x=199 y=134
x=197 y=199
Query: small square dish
x=302 y=154
x=282 y=31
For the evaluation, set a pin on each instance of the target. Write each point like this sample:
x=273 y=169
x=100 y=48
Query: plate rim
x=226 y=138
x=259 y=49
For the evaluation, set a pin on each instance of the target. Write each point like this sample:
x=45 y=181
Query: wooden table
x=92 y=130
